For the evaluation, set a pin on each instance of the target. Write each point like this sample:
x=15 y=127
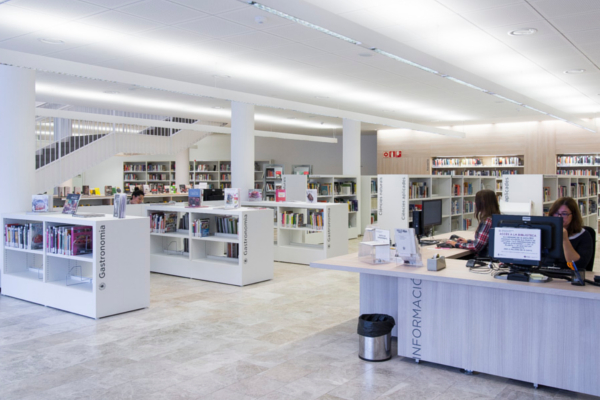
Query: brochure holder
x=408 y=251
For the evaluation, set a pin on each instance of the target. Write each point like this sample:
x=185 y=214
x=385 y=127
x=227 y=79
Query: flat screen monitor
x=212 y=194
x=432 y=213
x=526 y=240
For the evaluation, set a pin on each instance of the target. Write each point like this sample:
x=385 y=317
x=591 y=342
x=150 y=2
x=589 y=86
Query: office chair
x=592 y=233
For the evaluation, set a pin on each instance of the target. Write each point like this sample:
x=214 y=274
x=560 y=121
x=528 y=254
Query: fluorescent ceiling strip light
x=400 y=59
x=293 y=136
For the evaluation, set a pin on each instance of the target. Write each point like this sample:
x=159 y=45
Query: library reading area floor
x=290 y=338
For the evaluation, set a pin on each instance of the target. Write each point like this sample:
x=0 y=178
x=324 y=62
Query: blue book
x=194 y=198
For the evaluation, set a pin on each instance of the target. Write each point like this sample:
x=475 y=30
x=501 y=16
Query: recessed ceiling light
x=574 y=71
x=51 y=41
x=523 y=32
x=259 y=19
x=111 y=92
x=365 y=54
x=221 y=76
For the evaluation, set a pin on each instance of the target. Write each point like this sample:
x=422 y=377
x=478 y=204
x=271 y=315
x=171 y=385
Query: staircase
x=92 y=143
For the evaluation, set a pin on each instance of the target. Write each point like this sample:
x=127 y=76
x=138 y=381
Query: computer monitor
x=516 y=248
x=430 y=215
x=212 y=194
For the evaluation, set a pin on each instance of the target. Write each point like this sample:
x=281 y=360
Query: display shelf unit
x=368 y=201
x=148 y=173
x=543 y=190
x=85 y=201
x=303 y=245
x=397 y=198
x=113 y=279
x=206 y=256
x=259 y=174
x=578 y=164
x=330 y=182
x=272 y=180
x=478 y=165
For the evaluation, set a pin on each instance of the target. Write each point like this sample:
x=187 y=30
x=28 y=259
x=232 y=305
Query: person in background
x=577 y=242
x=486 y=205
x=137 y=197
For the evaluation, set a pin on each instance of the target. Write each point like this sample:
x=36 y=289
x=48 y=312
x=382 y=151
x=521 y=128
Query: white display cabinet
x=113 y=279
x=206 y=257
x=543 y=190
x=330 y=182
x=368 y=202
x=306 y=244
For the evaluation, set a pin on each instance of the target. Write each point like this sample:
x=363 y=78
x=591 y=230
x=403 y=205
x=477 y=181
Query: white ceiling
x=220 y=43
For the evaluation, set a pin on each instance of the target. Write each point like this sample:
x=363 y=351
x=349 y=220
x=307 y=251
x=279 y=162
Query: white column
x=351 y=148
x=242 y=147
x=17 y=135
x=182 y=168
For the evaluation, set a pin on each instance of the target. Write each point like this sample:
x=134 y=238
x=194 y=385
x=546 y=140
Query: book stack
x=455 y=207
x=315 y=220
x=469 y=207
x=131 y=177
x=134 y=167
x=161 y=222
x=201 y=227
x=467 y=222
x=446 y=162
x=157 y=167
x=225 y=167
x=578 y=160
x=468 y=189
x=512 y=161
x=290 y=219
x=575 y=172
x=581 y=190
x=158 y=177
x=225 y=177
x=456 y=190
x=546 y=193
x=468 y=162
x=203 y=177
x=324 y=189
x=24 y=236
x=227 y=225
x=205 y=167
x=69 y=240
x=418 y=190
x=562 y=191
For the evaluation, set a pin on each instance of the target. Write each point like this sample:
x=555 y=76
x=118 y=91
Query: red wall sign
x=392 y=154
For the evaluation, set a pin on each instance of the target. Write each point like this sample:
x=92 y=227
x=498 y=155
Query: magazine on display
x=232 y=198
x=255 y=195
x=311 y=195
x=194 y=200
x=39 y=203
x=280 y=195
x=71 y=204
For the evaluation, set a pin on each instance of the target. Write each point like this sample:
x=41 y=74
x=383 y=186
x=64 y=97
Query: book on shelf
x=290 y=219
x=418 y=190
x=85 y=190
x=311 y=195
x=39 y=203
x=467 y=223
x=586 y=160
x=352 y=204
x=280 y=195
x=232 y=250
x=500 y=161
x=146 y=189
x=373 y=186
x=468 y=189
x=194 y=198
x=546 y=193
x=255 y=194
x=182 y=188
x=69 y=240
x=201 y=227
x=456 y=189
x=227 y=224
x=315 y=220
x=108 y=190
x=163 y=222
x=71 y=204
x=232 y=198
x=24 y=236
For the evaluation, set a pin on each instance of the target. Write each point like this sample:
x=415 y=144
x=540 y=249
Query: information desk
x=539 y=333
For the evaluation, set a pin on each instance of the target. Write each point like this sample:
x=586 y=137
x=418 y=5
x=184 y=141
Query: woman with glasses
x=577 y=242
x=486 y=205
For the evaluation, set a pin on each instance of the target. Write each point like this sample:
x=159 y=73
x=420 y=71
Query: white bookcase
x=485 y=166
x=368 y=201
x=395 y=202
x=577 y=164
x=303 y=245
x=205 y=258
x=113 y=279
x=543 y=190
x=272 y=180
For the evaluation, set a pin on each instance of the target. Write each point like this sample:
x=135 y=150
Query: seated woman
x=577 y=242
x=486 y=204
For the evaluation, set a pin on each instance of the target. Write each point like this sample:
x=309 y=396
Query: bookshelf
x=216 y=174
x=306 y=244
x=87 y=201
x=398 y=196
x=113 y=279
x=368 y=201
x=240 y=257
x=543 y=190
x=577 y=164
x=272 y=180
x=478 y=165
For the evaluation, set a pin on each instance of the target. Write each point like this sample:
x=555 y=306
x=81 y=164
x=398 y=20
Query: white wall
x=326 y=158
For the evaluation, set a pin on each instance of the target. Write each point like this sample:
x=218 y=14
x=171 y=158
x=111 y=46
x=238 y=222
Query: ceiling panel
x=558 y=8
x=212 y=6
x=474 y=5
x=500 y=16
x=577 y=23
x=162 y=11
x=258 y=40
x=120 y=22
x=591 y=36
x=31 y=44
x=173 y=35
x=214 y=27
x=255 y=18
x=295 y=32
x=69 y=9
x=368 y=17
x=110 y=3
x=296 y=51
x=86 y=54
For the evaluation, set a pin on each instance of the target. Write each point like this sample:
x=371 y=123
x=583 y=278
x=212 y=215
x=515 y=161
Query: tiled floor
x=288 y=339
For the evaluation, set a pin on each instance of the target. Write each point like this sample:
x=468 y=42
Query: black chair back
x=592 y=232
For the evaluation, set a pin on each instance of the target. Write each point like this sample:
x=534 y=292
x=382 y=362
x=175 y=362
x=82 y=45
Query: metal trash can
x=375 y=337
